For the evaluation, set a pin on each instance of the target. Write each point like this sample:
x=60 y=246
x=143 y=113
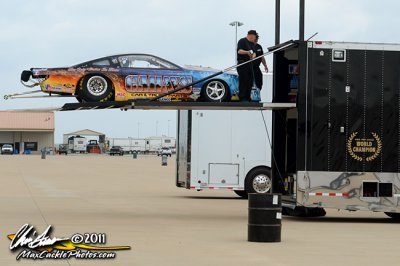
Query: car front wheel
x=215 y=91
x=96 y=88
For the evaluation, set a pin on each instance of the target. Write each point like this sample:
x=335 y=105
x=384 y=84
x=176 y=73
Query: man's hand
x=253 y=56
x=266 y=68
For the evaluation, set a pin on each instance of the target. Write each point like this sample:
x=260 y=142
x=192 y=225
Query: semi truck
x=339 y=147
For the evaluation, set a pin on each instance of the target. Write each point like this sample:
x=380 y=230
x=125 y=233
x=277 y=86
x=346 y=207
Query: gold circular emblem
x=357 y=147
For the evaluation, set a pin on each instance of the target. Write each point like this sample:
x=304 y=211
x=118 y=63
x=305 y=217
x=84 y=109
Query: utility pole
x=301 y=20
x=277 y=21
x=156 y=128
x=236 y=24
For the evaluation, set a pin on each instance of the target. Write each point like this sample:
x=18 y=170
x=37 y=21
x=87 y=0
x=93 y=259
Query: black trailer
x=339 y=148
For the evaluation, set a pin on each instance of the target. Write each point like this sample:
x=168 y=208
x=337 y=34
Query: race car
x=132 y=76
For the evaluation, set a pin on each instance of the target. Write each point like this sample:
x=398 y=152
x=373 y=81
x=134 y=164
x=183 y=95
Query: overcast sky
x=49 y=33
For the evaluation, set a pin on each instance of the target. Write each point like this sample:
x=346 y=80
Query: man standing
x=246 y=51
x=258 y=77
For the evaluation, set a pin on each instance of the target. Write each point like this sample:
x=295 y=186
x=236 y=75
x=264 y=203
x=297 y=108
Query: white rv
x=148 y=145
x=129 y=145
x=77 y=144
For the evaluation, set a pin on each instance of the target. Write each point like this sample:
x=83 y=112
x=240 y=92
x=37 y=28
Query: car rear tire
x=96 y=88
x=215 y=91
x=258 y=180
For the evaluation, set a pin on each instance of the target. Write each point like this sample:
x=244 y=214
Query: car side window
x=144 y=61
x=104 y=62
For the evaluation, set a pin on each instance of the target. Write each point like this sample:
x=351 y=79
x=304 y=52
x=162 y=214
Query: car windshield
x=145 y=61
x=7 y=146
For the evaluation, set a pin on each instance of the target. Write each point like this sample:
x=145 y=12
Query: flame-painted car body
x=131 y=76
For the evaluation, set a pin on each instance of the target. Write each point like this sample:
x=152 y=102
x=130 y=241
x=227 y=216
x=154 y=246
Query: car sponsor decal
x=157 y=83
x=120 y=95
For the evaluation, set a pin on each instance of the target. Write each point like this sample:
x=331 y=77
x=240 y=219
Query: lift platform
x=148 y=105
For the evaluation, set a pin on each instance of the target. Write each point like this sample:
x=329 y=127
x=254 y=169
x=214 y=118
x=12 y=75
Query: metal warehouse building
x=27 y=130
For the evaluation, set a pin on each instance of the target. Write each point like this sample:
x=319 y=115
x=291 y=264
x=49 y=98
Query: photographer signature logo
x=43 y=246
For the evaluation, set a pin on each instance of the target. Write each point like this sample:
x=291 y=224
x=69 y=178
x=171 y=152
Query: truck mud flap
x=300 y=211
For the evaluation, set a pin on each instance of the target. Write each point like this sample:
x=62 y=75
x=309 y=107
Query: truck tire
x=393 y=215
x=258 y=180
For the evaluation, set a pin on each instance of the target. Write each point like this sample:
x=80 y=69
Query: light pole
x=236 y=24
x=156 y=128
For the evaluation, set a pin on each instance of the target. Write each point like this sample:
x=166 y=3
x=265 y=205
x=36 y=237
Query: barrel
x=164 y=160
x=265 y=218
x=43 y=152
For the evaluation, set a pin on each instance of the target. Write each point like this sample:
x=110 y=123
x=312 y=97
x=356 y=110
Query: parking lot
x=136 y=203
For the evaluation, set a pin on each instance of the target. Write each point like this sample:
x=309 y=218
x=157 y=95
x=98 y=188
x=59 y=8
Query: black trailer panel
x=346 y=125
x=353 y=113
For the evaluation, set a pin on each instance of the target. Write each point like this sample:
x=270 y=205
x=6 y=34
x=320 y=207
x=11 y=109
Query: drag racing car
x=132 y=76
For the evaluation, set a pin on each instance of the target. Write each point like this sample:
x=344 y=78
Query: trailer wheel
x=96 y=88
x=258 y=180
x=393 y=215
x=215 y=91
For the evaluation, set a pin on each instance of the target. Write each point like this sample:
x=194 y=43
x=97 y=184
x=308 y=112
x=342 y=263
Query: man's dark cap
x=252 y=32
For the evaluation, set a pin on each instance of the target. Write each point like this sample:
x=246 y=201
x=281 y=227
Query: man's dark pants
x=258 y=76
x=245 y=81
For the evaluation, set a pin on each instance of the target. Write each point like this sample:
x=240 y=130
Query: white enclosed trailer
x=154 y=144
x=77 y=144
x=151 y=145
x=128 y=144
x=225 y=149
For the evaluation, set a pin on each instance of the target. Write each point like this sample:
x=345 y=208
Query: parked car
x=132 y=76
x=116 y=150
x=7 y=149
x=63 y=149
x=164 y=151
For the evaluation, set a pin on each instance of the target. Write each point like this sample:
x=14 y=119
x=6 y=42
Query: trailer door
x=213 y=162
